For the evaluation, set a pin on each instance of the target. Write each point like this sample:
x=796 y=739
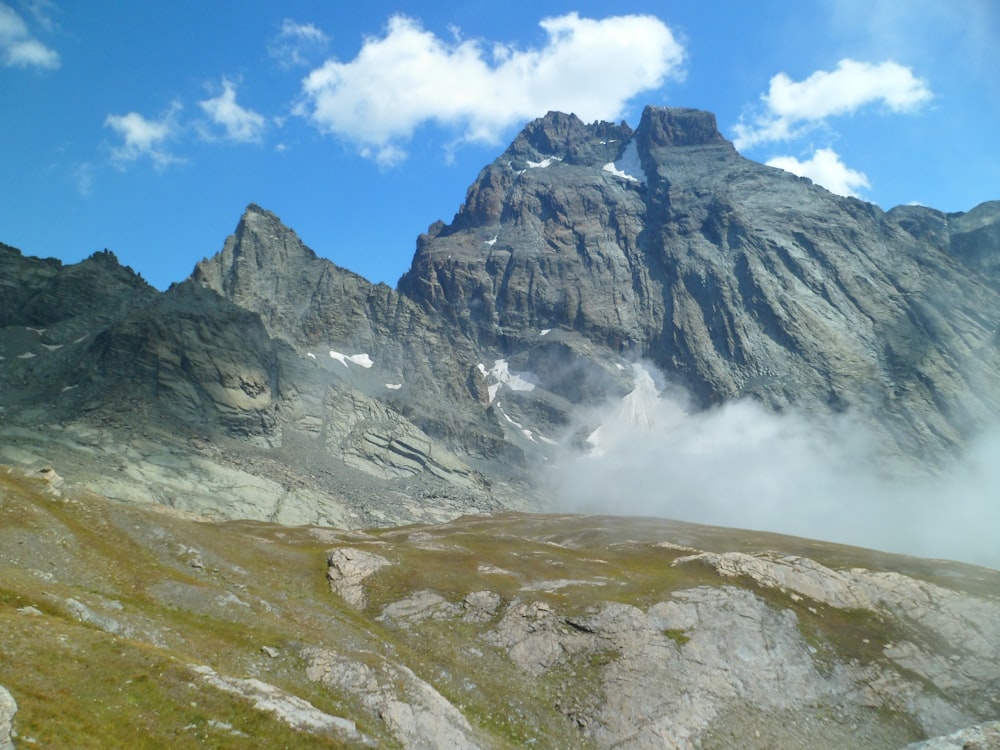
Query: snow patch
x=393 y=386
x=26 y=355
x=69 y=387
x=629 y=166
x=634 y=412
x=501 y=374
x=310 y=355
x=545 y=332
x=524 y=431
x=546 y=162
x=492 y=242
x=357 y=359
x=52 y=347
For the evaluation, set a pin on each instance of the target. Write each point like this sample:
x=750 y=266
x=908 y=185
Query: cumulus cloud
x=238 y=123
x=296 y=44
x=142 y=137
x=738 y=465
x=18 y=48
x=410 y=77
x=825 y=168
x=791 y=108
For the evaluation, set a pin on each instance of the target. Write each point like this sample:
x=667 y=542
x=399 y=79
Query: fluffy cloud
x=18 y=48
x=144 y=138
x=793 y=107
x=240 y=124
x=295 y=43
x=824 y=168
x=410 y=77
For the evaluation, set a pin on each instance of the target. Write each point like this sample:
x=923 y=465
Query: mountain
x=734 y=278
x=270 y=406
x=580 y=250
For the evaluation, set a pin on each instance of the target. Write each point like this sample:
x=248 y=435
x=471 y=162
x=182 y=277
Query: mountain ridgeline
x=273 y=384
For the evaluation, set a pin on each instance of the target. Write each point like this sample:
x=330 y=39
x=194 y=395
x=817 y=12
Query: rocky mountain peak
x=264 y=267
x=565 y=137
x=261 y=246
x=672 y=126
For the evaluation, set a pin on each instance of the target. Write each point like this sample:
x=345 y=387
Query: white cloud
x=83 y=178
x=793 y=107
x=825 y=168
x=296 y=43
x=142 y=137
x=240 y=124
x=814 y=476
x=410 y=77
x=18 y=48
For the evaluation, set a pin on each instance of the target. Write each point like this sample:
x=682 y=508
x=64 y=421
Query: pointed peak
x=253 y=209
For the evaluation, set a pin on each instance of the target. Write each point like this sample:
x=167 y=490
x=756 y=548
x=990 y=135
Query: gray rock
x=85 y=614
x=286 y=707
x=735 y=278
x=273 y=384
x=347 y=569
x=981 y=737
x=481 y=606
x=416 y=714
x=8 y=708
x=419 y=606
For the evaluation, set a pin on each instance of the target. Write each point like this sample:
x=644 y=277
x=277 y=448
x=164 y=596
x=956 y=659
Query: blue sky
x=147 y=127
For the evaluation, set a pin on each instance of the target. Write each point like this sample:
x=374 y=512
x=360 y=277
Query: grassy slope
x=186 y=591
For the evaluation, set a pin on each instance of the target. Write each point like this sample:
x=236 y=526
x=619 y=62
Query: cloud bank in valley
x=738 y=465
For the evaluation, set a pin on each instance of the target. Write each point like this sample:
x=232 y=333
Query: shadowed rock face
x=581 y=247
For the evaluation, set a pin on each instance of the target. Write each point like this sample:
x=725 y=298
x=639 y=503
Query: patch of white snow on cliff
x=546 y=162
x=501 y=374
x=628 y=167
x=358 y=359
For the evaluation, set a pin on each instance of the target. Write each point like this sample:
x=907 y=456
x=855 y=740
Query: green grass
x=77 y=686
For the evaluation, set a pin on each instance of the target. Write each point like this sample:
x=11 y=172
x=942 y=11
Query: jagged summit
x=261 y=251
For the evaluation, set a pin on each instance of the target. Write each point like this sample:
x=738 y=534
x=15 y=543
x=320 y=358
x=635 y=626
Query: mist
x=739 y=465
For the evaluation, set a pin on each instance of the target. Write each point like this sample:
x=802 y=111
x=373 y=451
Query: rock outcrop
x=8 y=708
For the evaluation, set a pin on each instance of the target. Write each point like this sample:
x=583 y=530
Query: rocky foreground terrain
x=277 y=505
x=144 y=626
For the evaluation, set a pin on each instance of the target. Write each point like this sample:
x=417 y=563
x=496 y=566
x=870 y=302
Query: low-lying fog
x=739 y=465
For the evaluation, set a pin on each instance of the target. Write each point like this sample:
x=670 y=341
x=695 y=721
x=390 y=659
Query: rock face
x=735 y=278
x=273 y=384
